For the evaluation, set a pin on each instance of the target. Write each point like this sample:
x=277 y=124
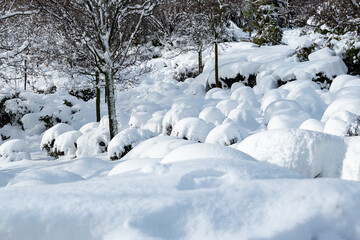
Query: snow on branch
x=9 y=14
x=13 y=53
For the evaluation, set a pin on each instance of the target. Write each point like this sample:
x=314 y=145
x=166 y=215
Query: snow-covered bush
x=284 y=114
x=93 y=142
x=205 y=151
x=225 y=106
x=227 y=134
x=123 y=142
x=65 y=144
x=175 y=114
x=312 y=154
x=14 y=150
x=12 y=109
x=156 y=147
x=245 y=116
x=192 y=128
x=212 y=115
x=154 y=124
x=351 y=58
x=85 y=94
x=49 y=137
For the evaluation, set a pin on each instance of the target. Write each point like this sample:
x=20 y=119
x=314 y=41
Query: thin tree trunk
x=25 y=74
x=98 y=114
x=200 y=60
x=113 y=125
x=217 y=65
x=106 y=92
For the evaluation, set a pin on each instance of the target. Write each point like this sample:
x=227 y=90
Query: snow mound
x=87 y=167
x=123 y=142
x=217 y=93
x=145 y=165
x=313 y=125
x=14 y=150
x=340 y=123
x=194 y=129
x=245 y=95
x=175 y=114
x=154 y=124
x=65 y=144
x=93 y=142
x=157 y=147
x=245 y=117
x=321 y=54
x=343 y=81
x=351 y=166
x=312 y=154
x=41 y=176
x=48 y=139
x=284 y=114
x=349 y=103
x=89 y=127
x=212 y=115
x=227 y=134
x=204 y=151
x=225 y=106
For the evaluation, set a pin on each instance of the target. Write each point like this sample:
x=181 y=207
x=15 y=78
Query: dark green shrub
x=303 y=53
x=351 y=59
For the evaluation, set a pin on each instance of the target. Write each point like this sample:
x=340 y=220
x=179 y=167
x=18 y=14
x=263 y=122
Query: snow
x=351 y=165
x=252 y=177
x=51 y=134
x=204 y=151
x=191 y=128
x=309 y=153
x=14 y=150
x=123 y=142
x=212 y=115
x=66 y=143
x=227 y=134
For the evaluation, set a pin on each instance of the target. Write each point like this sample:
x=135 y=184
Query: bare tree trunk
x=25 y=74
x=200 y=62
x=113 y=125
x=98 y=114
x=217 y=65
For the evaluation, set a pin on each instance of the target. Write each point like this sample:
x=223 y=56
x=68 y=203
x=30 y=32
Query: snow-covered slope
x=269 y=162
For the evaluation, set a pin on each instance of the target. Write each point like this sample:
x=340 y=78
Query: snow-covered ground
x=277 y=161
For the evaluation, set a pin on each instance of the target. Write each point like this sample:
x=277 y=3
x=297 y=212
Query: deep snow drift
x=276 y=161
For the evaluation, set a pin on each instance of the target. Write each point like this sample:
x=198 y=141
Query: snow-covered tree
x=107 y=29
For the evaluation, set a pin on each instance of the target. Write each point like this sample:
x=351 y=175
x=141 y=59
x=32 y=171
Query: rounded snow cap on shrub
x=156 y=147
x=93 y=142
x=204 y=151
x=14 y=150
x=342 y=81
x=48 y=139
x=225 y=106
x=123 y=142
x=65 y=144
x=312 y=154
x=227 y=134
x=175 y=114
x=192 y=128
x=284 y=114
x=212 y=115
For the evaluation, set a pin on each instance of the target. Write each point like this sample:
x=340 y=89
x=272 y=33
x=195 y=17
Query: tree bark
x=217 y=65
x=98 y=114
x=113 y=125
x=200 y=60
x=25 y=74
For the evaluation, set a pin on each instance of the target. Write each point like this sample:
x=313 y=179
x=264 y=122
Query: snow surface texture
x=261 y=187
